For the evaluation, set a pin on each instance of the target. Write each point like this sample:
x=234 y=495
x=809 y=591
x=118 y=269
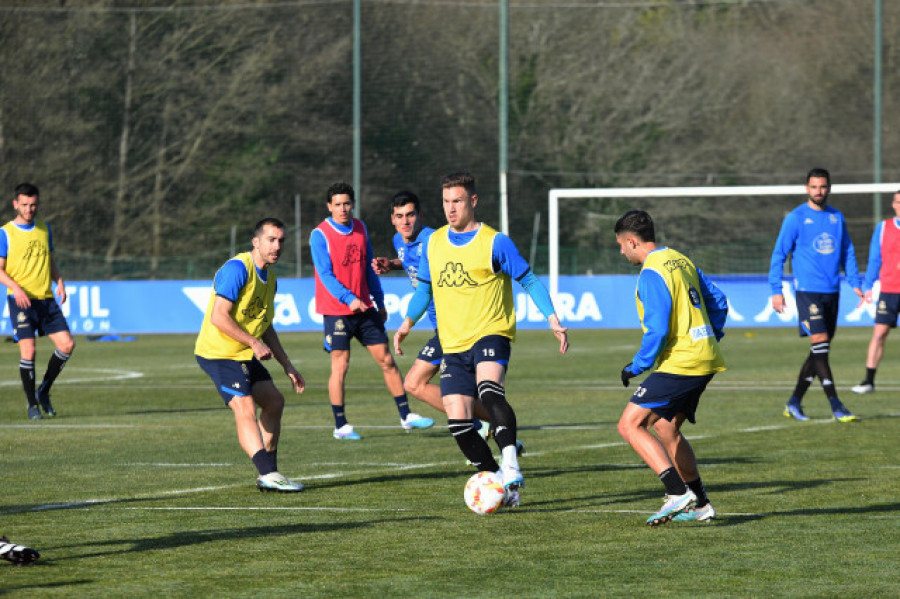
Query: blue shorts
x=458 y=370
x=365 y=326
x=887 y=309
x=668 y=395
x=44 y=317
x=234 y=378
x=431 y=352
x=817 y=313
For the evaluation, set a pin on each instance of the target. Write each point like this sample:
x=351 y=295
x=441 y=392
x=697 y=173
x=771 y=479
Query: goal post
x=556 y=195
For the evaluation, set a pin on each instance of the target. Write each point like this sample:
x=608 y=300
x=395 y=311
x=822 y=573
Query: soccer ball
x=484 y=493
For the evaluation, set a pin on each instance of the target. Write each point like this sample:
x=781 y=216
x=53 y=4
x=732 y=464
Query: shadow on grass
x=180 y=539
x=48 y=585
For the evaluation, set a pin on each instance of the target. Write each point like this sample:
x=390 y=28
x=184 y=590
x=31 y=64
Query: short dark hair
x=26 y=189
x=460 y=179
x=818 y=172
x=637 y=222
x=340 y=188
x=271 y=220
x=404 y=197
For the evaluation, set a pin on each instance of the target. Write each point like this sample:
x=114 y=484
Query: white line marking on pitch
x=109 y=374
x=173 y=465
x=263 y=509
x=59 y=426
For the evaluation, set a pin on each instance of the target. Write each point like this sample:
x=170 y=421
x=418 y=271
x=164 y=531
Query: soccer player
x=468 y=268
x=884 y=265
x=683 y=315
x=20 y=555
x=410 y=242
x=236 y=335
x=816 y=235
x=346 y=284
x=28 y=270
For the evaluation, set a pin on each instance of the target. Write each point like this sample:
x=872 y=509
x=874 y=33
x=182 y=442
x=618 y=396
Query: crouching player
x=682 y=314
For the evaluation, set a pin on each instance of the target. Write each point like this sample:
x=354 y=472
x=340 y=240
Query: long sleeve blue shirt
x=318 y=247
x=410 y=255
x=820 y=246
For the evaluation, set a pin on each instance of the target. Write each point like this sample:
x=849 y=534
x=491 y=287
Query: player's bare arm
x=18 y=293
x=60 y=284
x=270 y=337
x=222 y=320
x=561 y=333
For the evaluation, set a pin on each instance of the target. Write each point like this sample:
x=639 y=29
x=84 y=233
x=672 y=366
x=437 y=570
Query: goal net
x=719 y=202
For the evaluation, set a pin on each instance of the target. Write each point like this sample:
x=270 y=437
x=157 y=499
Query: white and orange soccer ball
x=484 y=493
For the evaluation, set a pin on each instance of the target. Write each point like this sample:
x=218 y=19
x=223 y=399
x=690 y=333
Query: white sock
x=510 y=458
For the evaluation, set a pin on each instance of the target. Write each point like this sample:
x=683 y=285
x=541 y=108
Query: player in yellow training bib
x=236 y=334
x=28 y=270
x=683 y=315
x=468 y=268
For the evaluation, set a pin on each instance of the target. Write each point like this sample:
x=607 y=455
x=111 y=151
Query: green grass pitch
x=139 y=487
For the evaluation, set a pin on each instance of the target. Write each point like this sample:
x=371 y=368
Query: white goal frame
x=556 y=195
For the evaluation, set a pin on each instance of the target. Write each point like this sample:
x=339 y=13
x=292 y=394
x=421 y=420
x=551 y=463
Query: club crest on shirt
x=824 y=244
x=454 y=275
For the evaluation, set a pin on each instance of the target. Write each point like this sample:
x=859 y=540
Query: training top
x=820 y=245
x=682 y=314
x=252 y=291
x=27 y=251
x=469 y=276
x=342 y=256
x=884 y=257
x=410 y=255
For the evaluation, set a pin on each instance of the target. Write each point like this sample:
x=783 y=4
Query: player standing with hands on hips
x=28 y=270
x=468 y=269
x=683 y=315
x=236 y=334
x=816 y=236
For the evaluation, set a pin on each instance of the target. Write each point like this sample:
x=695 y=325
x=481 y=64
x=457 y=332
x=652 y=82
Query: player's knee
x=275 y=403
x=67 y=346
x=411 y=385
x=491 y=393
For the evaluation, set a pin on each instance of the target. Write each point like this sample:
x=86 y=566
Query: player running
x=468 y=268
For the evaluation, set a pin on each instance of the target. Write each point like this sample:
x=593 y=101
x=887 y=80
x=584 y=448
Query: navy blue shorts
x=668 y=395
x=365 y=326
x=887 y=308
x=817 y=312
x=44 y=317
x=458 y=370
x=431 y=352
x=234 y=378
